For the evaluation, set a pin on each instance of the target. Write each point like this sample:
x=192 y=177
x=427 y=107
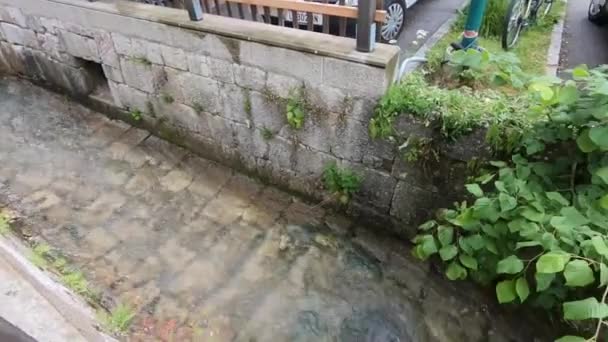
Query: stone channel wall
x=220 y=87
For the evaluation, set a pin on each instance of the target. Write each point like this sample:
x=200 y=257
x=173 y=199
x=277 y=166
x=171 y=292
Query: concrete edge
x=555 y=47
x=75 y=311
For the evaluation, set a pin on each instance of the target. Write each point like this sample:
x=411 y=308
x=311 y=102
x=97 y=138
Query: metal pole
x=195 y=10
x=366 y=27
x=473 y=24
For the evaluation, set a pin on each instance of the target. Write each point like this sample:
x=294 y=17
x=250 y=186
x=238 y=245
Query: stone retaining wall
x=220 y=87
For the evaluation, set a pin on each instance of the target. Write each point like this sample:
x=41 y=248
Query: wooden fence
x=335 y=18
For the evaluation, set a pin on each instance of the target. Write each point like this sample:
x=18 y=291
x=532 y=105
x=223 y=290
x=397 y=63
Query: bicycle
x=520 y=14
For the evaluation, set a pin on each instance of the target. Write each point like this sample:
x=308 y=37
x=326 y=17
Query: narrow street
x=583 y=42
x=427 y=15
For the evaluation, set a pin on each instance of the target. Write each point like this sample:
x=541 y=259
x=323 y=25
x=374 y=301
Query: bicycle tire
x=543 y=9
x=508 y=41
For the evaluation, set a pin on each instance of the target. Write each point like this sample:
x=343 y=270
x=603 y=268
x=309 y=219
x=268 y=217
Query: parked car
x=598 y=11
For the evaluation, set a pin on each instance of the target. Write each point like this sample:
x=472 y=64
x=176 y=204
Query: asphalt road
x=583 y=42
x=427 y=15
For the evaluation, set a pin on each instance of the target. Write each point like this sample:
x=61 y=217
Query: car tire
x=597 y=13
x=395 y=20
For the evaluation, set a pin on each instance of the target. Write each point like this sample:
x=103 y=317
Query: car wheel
x=597 y=12
x=395 y=19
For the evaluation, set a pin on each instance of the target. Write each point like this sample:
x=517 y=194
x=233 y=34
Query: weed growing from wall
x=267 y=133
x=340 y=182
x=135 y=114
x=198 y=107
x=167 y=98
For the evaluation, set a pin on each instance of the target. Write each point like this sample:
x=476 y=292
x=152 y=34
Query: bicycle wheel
x=543 y=8
x=514 y=20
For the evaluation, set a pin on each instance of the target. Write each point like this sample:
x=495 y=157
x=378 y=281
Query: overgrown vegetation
x=198 y=107
x=119 y=319
x=342 y=183
x=454 y=111
x=537 y=226
x=141 y=60
x=247 y=104
x=5 y=227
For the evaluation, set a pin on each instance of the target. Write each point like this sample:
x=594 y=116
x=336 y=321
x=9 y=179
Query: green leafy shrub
x=119 y=320
x=342 y=183
x=537 y=228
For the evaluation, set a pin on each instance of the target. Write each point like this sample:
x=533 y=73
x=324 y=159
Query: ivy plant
x=537 y=227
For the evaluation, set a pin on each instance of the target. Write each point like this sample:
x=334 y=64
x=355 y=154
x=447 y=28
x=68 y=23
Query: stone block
x=131 y=98
x=283 y=153
x=360 y=79
x=180 y=115
x=317 y=132
x=329 y=99
x=13 y=15
x=50 y=44
x=198 y=64
x=250 y=141
x=79 y=46
x=106 y=51
x=353 y=142
x=50 y=25
x=199 y=90
x=122 y=44
x=310 y=163
x=266 y=114
x=221 y=70
x=13 y=56
x=173 y=85
x=153 y=52
x=377 y=188
x=218 y=129
x=115 y=91
x=248 y=77
x=142 y=75
x=234 y=101
x=174 y=57
x=411 y=202
x=300 y=65
x=17 y=35
x=112 y=73
x=33 y=23
x=282 y=86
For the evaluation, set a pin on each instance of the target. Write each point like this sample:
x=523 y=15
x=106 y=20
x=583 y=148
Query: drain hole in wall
x=97 y=82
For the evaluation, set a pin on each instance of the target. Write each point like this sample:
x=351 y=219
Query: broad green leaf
x=476 y=241
x=455 y=271
x=474 y=189
x=506 y=202
x=425 y=246
x=485 y=209
x=498 y=163
x=600 y=245
x=543 y=280
x=466 y=220
x=578 y=273
x=468 y=261
x=568 y=95
x=570 y=219
x=445 y=235
x=546 y=93
x=552 y=262
x=603 y=174
x=505 y=291
x=427 y=225
x=510 y=265
x=585 y=309
x=585 y=143
x=599 y=136
x=522 y=288
x=580 y=72
x=603 y=274
x=533 y=215
x=448 y=252
x=570 y=338
x=557 y=197
x=604 y=201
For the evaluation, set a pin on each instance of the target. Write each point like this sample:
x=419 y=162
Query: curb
x=70 y=306
x=553 y=53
